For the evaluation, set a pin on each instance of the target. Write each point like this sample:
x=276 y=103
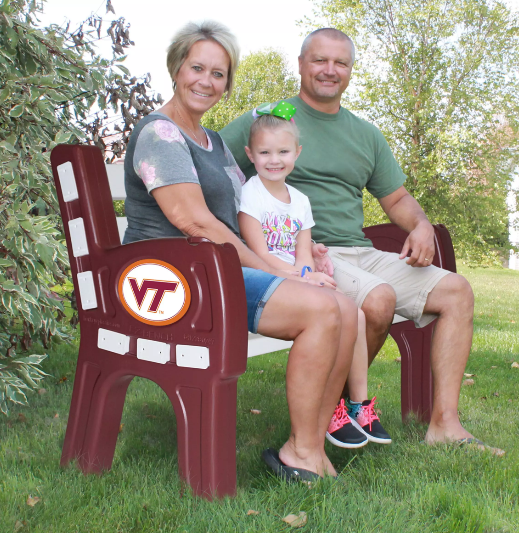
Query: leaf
x=296 y=520
x=251 y=512
x=16 y=111
x=398 y=359
x=32 y=501
x=123 y=69
x=255 y=412
x=8 y=146
x=469 y=375
x=62 y=137
x=515 y=364
x=468 y=382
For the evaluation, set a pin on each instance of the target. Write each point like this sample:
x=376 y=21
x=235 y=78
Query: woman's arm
x=184 y=206
x=251 y=231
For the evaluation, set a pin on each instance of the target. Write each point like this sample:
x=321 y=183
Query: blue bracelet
x=305 y=270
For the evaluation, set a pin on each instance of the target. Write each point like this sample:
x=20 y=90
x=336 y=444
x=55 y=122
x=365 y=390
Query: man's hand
x=421 y=242
x=322 y=260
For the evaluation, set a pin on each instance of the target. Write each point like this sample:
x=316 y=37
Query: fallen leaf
x=261 y=371
x=379 y=386
x=509 y=400
x=398 y=360
x=22 y=418
x=495 y=394
x=62 y=379
x=255 y=412
x=41 y=392
x=56 y=415
x=18 y=525
x=378 y=411
x=512 y=321
x=493 y=367
x=468 y=382
x=469 y=375
x=121 y=427
x=483 y=398
x=31 y=502
x=251 y=512
x=515 y=364
x=296 y=520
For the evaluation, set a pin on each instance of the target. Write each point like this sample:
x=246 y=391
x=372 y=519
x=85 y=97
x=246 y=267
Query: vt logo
x=160 y=287
x=154 y=292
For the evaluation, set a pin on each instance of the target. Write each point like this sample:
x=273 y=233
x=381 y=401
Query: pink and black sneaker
x=364 y=418
x=341 y=431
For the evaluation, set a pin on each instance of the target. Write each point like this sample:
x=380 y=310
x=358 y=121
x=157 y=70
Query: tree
x=261 y=77
x=439 y=78
x=54 y=88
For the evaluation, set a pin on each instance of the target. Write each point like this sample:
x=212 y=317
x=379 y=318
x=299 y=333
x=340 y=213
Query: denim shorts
x=259 y=287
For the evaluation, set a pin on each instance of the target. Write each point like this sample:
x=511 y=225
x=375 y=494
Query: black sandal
x=287 y=473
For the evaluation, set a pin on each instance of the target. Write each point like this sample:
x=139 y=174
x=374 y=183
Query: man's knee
x=379 y=306
x=458 y=294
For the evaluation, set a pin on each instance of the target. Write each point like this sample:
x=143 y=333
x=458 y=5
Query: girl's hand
x=322 y=260
x=322 y=279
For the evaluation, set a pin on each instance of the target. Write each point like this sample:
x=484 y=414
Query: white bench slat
x=258 y=344
x=116 y=181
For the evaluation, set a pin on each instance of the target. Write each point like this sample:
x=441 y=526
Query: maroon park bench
x=174 y=311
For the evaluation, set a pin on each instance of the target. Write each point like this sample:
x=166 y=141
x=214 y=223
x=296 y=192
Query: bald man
x=343 y=154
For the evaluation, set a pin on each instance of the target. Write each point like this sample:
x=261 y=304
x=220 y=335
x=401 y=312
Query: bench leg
x=103 y=423
x=87 y=374
x=206 y=432
x=416 y=380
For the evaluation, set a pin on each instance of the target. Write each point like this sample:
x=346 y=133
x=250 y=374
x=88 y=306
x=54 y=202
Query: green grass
x=405 y=487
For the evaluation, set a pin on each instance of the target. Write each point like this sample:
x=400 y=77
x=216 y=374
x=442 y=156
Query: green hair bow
x=280 y=109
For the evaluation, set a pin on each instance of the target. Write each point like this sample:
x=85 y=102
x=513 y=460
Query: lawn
x=406 y=486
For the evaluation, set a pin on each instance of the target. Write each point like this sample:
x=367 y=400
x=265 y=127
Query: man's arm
x=403 y=210
x=236 y=137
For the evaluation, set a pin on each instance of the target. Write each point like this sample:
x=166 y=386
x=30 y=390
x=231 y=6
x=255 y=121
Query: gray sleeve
x=162 y=156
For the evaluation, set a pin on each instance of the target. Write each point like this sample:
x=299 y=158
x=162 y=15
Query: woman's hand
x=312 y=278
x=321 y=279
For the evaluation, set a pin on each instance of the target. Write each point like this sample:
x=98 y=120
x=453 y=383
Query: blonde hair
x=272 y=122
x=208 y=30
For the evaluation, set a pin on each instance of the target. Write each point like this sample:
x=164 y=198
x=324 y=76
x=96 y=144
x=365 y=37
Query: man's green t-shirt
x=342 y=154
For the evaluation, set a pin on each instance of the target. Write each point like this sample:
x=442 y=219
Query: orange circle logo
x=154 y=292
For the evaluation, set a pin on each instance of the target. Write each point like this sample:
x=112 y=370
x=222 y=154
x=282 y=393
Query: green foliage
x=439 y=79
x=261 y=77
x=50 y=80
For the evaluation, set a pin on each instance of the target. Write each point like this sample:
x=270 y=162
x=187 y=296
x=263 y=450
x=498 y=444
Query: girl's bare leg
x=358 y=375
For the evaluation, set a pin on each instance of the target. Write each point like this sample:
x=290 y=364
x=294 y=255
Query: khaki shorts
x=358 y=270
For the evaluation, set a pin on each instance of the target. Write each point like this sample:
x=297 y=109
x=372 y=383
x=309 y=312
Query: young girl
x=275 y=221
